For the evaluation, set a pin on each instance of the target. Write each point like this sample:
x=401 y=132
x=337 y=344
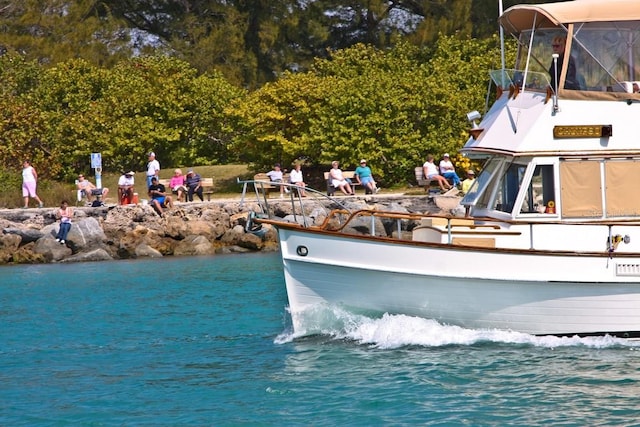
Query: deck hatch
x=628 y=270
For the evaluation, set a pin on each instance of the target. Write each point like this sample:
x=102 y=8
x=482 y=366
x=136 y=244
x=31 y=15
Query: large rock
x=9 y=244
x=99 y=254
x=144 y=250
x=194 y=245
x=27 y=235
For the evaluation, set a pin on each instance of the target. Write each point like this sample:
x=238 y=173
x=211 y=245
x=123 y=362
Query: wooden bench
x=348 y=175
x=428 y=184
x=269 y=185
x=207 y=187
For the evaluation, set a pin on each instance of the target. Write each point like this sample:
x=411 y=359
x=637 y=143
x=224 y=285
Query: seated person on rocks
x=193 y=181
x=89 y=190
x=125 y=187
x=177 y=184
x=159 y=198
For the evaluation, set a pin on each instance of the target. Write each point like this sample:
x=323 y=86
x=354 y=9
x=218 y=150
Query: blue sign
x=96 y=160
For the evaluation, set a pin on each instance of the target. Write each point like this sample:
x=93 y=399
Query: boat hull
x=480 y=288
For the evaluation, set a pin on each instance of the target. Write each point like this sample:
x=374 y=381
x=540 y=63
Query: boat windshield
x=497 y=186
x=604 y=57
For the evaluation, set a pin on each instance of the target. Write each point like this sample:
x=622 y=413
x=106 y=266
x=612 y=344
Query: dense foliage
x=249 y=41
x=57 y=116
x=389 y=106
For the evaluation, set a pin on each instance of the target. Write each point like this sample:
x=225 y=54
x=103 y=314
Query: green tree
x=51 y=31
x=392 y=107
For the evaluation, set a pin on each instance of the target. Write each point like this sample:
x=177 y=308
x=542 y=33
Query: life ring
x=551 y=207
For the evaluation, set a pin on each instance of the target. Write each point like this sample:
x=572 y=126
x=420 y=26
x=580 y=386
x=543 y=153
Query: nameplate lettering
x=582 y=131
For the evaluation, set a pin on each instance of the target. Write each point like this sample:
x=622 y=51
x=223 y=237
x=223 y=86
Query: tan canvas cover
x=621 y=181
x=580 y=189
x=521 y=17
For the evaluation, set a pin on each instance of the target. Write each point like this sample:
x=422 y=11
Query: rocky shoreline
x=135 y=231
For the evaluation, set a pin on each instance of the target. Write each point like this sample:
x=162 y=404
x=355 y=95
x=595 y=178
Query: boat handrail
x=261 y=189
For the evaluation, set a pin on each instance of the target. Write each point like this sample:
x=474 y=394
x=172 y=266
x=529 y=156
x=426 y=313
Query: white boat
x=551 y=244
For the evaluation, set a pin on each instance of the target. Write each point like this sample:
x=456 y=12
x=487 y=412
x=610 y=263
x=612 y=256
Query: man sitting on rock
x=159 y=198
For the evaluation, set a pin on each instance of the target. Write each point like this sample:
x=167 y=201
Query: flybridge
x=600 y=41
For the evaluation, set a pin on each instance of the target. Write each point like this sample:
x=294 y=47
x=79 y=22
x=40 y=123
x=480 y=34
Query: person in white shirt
x=297 y=178
x=153 y=168
x=29 y=182
x=430 y=172
x=275 y=175
x=125 y=187
x=338 y=180
x=448 y=171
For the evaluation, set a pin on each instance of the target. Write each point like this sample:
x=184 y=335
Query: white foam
x=394 y=331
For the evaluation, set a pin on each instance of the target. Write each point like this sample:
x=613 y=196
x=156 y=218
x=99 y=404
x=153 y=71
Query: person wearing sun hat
x=365 y=178
x=125 y=187
x=467 y=183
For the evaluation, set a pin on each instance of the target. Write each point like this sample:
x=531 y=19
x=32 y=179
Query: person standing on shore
x=29 y=183
x=64 y=214
x=153 y=168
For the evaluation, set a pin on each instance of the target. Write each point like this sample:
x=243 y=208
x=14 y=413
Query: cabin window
x=508 y=187
x=607 y=54
x=481 y=192
x=540 y=192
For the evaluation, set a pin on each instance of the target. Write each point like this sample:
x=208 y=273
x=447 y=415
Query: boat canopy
x=602 y=39
x=522 y=17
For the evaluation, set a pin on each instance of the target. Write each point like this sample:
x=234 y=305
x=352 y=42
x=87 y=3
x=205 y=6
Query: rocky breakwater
x=124 y=232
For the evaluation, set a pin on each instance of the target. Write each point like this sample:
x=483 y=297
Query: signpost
x=96 y=163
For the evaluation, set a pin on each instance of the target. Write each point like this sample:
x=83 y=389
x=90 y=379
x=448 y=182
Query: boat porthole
x=302 y=250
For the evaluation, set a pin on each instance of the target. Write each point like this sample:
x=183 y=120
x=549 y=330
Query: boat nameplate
x=583 y=131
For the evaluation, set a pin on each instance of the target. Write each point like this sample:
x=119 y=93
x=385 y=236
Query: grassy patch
x=224 y=181
x=53 y=192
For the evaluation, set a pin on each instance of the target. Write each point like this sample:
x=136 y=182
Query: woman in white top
x=297 y=178
x=337 y=179
x=430 y=172
x=29 y=181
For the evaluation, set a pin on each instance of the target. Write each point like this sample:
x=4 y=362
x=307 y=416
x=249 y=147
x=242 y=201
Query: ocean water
x=207 y=342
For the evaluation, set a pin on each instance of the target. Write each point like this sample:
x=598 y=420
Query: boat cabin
x=562 y=140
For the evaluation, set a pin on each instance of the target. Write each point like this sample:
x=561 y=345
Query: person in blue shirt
x=365 y=178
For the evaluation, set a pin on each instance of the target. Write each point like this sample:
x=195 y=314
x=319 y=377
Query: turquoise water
x=206 y=341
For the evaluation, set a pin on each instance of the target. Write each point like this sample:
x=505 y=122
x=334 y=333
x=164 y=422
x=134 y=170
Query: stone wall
x=134 y=231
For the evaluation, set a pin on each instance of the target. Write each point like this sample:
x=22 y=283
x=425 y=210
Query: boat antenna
x=500 y=10
x=555 y=57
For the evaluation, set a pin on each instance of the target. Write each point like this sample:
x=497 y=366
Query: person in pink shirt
x=176 y=183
